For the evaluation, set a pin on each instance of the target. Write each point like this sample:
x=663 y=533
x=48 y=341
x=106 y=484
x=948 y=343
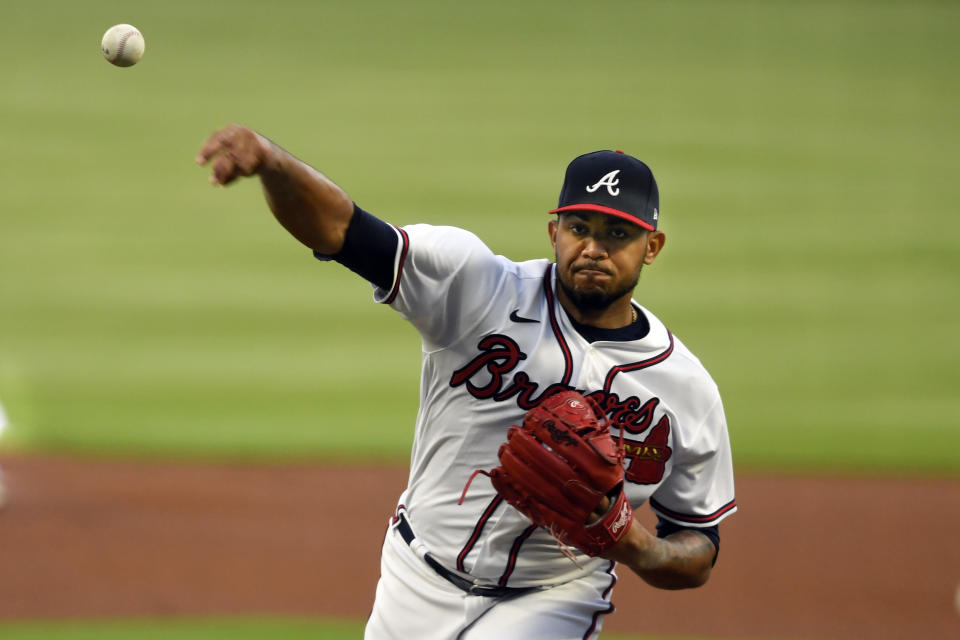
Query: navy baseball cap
x=614 y=183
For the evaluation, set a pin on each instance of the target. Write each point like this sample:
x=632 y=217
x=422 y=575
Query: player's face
x=599 y=257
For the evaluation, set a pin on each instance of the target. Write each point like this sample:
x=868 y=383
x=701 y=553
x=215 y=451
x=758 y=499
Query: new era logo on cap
x=614 y=183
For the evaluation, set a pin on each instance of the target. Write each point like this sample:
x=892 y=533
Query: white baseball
x=123 y=45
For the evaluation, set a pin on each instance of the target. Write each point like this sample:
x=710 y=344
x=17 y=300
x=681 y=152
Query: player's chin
x=590 y=298
x=592 y=282
x=592 y=286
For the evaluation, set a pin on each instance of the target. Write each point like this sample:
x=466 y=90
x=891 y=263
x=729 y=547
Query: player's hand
x=236 y=151
x=603 y=507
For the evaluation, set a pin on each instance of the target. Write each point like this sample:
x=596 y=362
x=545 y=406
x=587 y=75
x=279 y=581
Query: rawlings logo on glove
x=560 y=468
x=625 y=518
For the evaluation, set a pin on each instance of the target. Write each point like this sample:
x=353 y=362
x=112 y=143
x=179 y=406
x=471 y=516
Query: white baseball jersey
x=496 y=341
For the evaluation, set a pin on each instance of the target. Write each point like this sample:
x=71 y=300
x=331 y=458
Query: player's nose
x=593 y=248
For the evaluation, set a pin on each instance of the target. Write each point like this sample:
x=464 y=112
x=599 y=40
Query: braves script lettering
x=498 y=355
x=486 y=378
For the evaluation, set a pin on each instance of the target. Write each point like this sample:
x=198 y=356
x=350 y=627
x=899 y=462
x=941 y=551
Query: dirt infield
x=804 y=558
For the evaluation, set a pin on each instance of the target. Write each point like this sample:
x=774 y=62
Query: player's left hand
x=563 y=470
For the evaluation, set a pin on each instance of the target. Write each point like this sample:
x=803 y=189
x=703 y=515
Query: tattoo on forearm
x=681 y=560
x=691 y=548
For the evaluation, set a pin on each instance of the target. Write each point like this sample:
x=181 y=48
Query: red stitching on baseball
x=123 y=43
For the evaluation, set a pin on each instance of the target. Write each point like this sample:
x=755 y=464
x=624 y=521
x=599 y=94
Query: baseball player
x=561 y=402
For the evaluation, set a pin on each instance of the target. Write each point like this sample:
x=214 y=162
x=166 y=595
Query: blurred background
x=805 y=153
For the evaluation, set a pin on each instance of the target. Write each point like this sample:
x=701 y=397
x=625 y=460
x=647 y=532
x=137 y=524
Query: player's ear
x=552 y=230
x=655 y=242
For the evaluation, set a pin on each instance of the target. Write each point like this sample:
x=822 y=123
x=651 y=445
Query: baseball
x=123 y=45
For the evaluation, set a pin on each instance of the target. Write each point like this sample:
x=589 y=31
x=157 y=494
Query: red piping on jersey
x=567 y=357
x=683 y=517
x=403 y=257
x=477 y=529
x=636 y=366
x=514 y=552
x=610 y=608
x=564 y=383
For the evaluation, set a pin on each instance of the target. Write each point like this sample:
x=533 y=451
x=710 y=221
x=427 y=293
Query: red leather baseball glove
x=557 y=469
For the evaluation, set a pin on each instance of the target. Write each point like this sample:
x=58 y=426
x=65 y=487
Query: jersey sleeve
x=444 y=282
x=699 y=492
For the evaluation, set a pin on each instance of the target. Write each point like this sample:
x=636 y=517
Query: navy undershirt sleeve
x=665 y=528
x=369 y=248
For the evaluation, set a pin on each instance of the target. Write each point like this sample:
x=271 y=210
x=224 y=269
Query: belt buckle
x=483 y=590
x=491 y=591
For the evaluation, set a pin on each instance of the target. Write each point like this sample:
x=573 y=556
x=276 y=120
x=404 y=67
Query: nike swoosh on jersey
x=517 y=318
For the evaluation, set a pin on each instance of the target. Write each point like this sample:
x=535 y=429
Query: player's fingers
x=227 y=138
x=211 y=146
x=224 y=170
x=248 y=155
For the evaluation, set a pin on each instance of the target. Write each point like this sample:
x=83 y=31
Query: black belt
x=459 y=581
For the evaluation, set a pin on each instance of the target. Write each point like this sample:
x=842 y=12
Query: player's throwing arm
x=308 y=204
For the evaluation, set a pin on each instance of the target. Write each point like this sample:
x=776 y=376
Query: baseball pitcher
x=552 y=405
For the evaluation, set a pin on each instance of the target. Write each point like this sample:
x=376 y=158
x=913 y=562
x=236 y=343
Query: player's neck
x=619 y=314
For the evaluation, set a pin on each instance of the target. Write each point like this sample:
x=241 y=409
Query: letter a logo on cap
x=610 y=181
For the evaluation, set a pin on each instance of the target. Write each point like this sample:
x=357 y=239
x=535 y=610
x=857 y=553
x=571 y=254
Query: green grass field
x=805 y=153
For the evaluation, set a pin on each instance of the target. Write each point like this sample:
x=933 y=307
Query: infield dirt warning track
x=821 y=557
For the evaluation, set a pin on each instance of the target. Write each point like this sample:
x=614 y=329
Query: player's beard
x=595 y=301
